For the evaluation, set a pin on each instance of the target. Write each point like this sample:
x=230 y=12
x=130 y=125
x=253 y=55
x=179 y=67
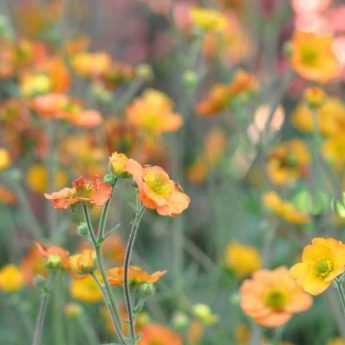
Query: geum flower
x=11 y=278
x=272 y=297
x=322 y=262
x=154 y=333
x=89 y=190
x=83 y=262
x=55 y=257
x=136 y=275
x=313 y=56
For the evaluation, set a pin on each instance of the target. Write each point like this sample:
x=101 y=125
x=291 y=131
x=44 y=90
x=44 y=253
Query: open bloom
x=55 y=257
x=272 y=297
x=83 y=263
x=85 y=289
x=242 y=259
x=153 y=113
x=313 y=57
x=5 y=160
x=288 y=162
x=11 y=278
x=136 y=275
x=160 y=335
x=284 y=209
x=322 y=261
x=207 y=19
x=91 y=190
x=157 y=191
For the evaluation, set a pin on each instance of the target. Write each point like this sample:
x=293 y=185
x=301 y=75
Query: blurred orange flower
x=313 y=57
x=55 y=257
x=6 y=196
x=288 y=162
x=272 y=297
x=322 y=261
x=136 y=275
x=83 y=262
x=153 y=113
x=154 y=333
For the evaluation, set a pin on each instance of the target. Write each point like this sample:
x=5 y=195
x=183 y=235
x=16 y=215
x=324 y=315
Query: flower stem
x=38 y=331
x=128 y=255
x=104 y=286
x=339 y=286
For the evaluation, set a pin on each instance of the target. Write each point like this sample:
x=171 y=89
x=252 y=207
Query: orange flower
x=33 y=264
x=313 y=57
x=136 y=275
x=83 y=263
x=55 y=257
x=153 y=113
x=50 y=105
x=272 y=297
x=157 y=191
x=91 y=190
x=157 y=334
x=91 y=64
x=113 y=248
x=6 y=196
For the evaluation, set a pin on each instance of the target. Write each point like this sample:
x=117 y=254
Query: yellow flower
x=83 y=262
x=313 y=57
x=330 y=117
x=35 y=84
x=11 y=278
x=334 y=150
x=5 y=160
x=118 y=163
x=314 y=97
x=72 y=310
x=288 y=162
x=37 y=178
x=242 y=259
x=322 y=261
x=204 y=313
x=86 y=290
x=337 y=341
x=207 y=19
x=284 y=209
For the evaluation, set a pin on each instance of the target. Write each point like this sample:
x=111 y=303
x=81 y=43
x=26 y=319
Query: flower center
x=323 y=268
x=309 y=56
x=276 y=300
x=158 y=184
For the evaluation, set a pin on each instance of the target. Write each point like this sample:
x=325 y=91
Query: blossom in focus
x=322 y=262
x=5 y=160
x=11 y=278
x=91 y=190
x=288 y=162
x=154 y=333
x=85 y=289
x=153 y=113
x=242 y=259
x=272 y=297
x=284 y=209
x=157 y=191
x=313 y=57
x=136 y=275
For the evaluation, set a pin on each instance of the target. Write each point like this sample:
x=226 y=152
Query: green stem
x=38 y=331
x=340 y=290
x=128 y=255
x=105 y=287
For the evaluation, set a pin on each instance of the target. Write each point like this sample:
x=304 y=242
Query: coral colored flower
x=157 y=334
x=64 y=198
x=221 y=95
x=208 y=19
x=85 y=289
x=153 y=113
x=288 y=162
x=91 y=190
x=136 y=275
x=84 y=262
x=114 y=248
x=55 y=257
x=11 y=278
x=272 y=297
x=313 y=57
x=33 y=264
x=85 y=118
x=242 y=259
x=37 y=178
x=322 y=261
x=284 y=209
x=50 y=105
x=5 y=160
x=157 y=191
